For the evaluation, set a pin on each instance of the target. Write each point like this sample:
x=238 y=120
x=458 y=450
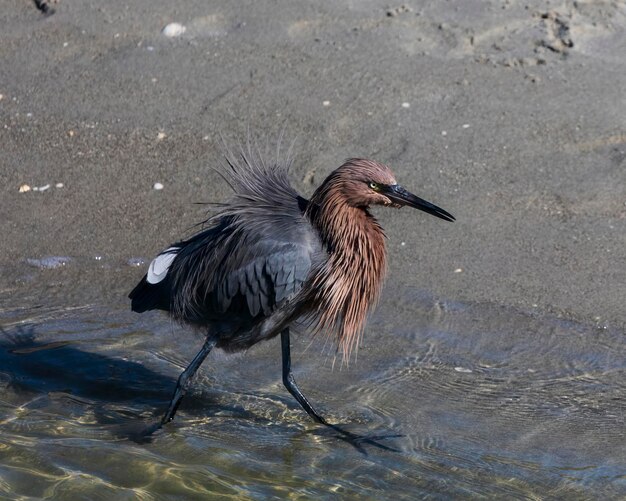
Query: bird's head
x=366 y=182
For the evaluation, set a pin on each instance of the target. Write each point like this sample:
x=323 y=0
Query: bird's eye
x=374 y=186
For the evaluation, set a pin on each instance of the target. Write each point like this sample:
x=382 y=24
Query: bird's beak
x=398 y=195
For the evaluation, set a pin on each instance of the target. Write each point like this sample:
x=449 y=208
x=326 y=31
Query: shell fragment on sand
x=174 y=30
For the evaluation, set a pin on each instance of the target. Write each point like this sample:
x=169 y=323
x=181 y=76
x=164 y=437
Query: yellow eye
x=374 y=186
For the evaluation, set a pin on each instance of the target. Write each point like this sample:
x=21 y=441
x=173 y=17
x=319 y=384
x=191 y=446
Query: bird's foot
x=137 y=431
x=357 y=441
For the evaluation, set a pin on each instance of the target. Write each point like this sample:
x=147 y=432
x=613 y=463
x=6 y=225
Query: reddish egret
x=270 y=258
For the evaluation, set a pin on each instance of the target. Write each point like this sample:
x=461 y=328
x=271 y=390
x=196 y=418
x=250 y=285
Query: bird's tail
x=146 y=296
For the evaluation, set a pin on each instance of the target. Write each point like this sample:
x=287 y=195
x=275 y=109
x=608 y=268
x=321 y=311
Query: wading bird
x=270 y=258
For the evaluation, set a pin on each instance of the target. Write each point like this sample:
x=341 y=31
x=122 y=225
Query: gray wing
x=257 y=254
x=250 y=272
x=264 y=278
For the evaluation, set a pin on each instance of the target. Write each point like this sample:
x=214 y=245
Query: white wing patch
x=160 y=265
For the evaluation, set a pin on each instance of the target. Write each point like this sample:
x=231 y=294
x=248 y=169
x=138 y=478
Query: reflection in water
x=488 y=402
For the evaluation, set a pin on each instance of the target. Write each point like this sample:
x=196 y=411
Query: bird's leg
x=290 y=382
x=184 y=380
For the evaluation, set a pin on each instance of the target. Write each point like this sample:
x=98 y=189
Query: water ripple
x=481 y=400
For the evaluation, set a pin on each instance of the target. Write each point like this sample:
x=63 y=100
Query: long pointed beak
x=397 y=194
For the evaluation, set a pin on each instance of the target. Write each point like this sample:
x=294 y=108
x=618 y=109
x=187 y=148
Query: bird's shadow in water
x=119 y=392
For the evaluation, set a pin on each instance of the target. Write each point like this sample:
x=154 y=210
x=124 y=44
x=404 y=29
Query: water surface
x=488 y=402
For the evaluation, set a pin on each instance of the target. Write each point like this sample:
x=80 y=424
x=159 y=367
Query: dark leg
x=290 y=384
x=184 y=381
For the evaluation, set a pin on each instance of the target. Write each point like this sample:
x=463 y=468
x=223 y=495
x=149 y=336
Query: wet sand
x=511 y=116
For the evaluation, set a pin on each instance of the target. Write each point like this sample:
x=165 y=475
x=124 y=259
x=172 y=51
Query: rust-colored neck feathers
x=348 y=285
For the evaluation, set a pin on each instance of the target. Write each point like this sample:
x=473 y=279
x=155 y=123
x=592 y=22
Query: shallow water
x=488 y=402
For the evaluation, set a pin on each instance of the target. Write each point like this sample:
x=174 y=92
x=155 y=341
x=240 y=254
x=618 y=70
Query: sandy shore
x=510 y=115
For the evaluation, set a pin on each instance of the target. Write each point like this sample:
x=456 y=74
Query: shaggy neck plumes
x=348 y=285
